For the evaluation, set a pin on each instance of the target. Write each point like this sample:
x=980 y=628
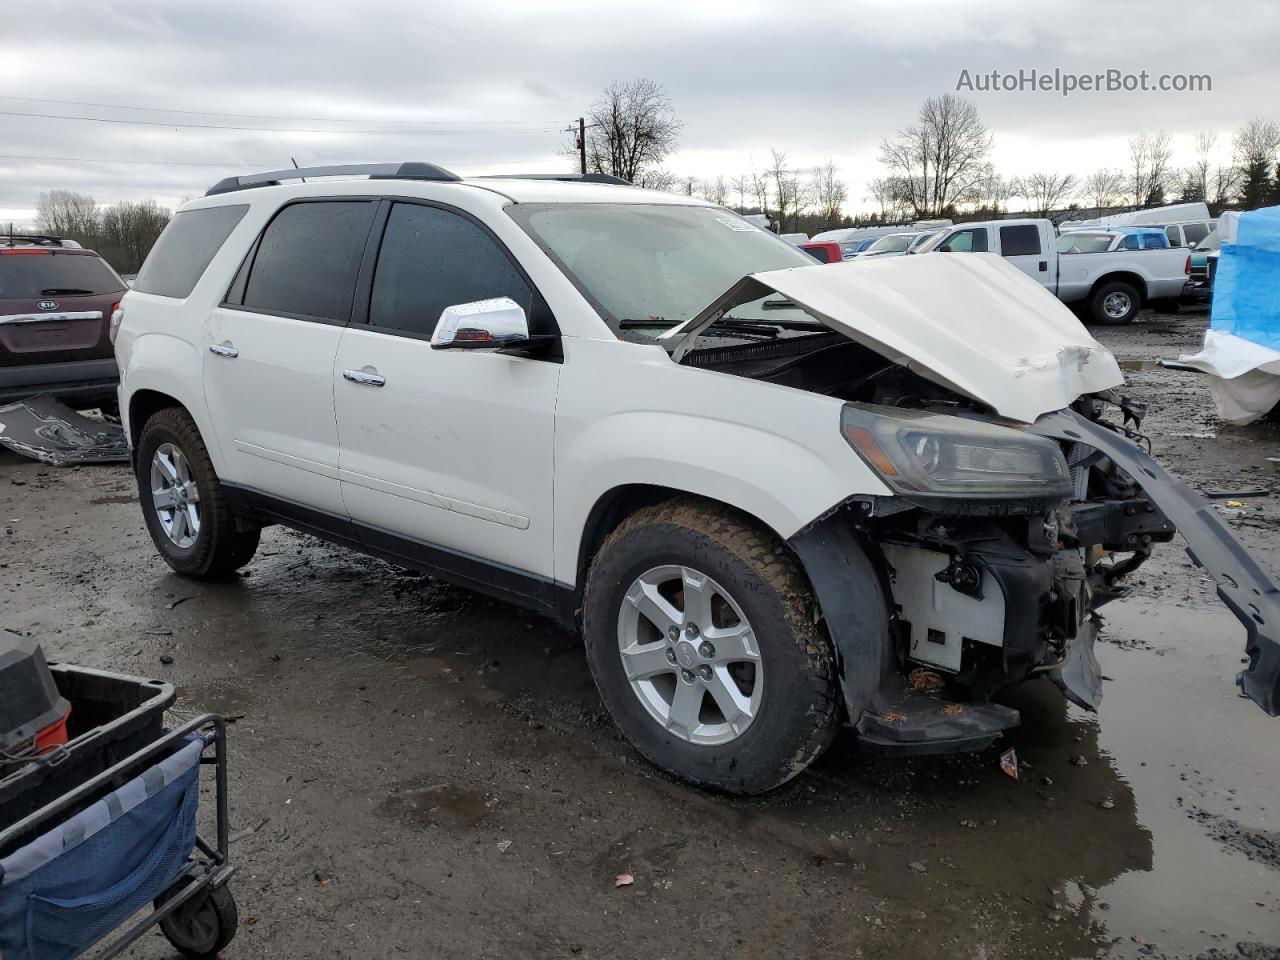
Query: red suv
x=56 y=301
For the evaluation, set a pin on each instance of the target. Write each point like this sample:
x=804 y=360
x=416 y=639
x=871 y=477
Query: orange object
x=54 y=735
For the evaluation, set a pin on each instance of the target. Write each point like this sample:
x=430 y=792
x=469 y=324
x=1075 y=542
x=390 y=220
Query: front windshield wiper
x=783 y=304
x=632 y=324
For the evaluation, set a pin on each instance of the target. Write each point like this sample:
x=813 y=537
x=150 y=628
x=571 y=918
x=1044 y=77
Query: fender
x=782 y=482
x=1243 y=586
x=172 y=366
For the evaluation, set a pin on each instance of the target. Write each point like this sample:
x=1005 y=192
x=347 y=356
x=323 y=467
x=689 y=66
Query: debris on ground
x=47 y=430
x=623 y=880
x=1009 y=763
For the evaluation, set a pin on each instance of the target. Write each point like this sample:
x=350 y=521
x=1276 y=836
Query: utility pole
x=582 y=144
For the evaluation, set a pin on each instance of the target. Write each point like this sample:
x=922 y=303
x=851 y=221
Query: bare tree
x=1045 y=191
x=941 y=158
x=740 y=185
x=1149 y=157
x=128 y=232
x=829 y=193
x=632 y=128
x=716 y=191
x=1223 y=184
x=759 y=189
x=657 y=179
x=1198 y=173
x=993 y=192
x=65 y=213
x=1104 y=188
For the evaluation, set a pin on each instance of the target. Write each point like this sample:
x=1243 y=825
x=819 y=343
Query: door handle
x=1044 y=266
x=368 y=379
x=224 y=349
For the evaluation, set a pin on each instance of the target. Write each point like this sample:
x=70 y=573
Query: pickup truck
x=1109 y=286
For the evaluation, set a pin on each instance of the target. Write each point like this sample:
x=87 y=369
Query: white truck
x=1110 y=287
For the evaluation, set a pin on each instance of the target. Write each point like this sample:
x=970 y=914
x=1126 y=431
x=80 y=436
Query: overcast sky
x=487 y=87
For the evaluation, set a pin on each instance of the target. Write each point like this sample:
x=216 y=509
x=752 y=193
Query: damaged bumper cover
x=1242 y=585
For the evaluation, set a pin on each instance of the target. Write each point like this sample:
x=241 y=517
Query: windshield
x=31 y=275
x=893 y=243
x=1084 y=242
x=919 y=243
x=1211 y=242
x=656 y=265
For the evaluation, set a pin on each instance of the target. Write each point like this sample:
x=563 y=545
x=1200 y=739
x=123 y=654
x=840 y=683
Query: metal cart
x=103 y=846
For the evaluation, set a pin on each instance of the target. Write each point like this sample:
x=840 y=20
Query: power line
x=260 y=116
x=220 y=126
x=248 y=164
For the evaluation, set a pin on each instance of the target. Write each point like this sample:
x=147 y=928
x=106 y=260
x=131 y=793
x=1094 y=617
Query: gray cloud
x=825 y=81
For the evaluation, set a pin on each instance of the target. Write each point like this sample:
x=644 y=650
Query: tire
x=215 y=545
x=202 y=926
x=1166 y=305
x=795 y=714
x=1105 y=302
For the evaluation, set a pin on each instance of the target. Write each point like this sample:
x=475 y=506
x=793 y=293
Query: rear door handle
x=224 y=349
x=1044 y=266
x=362 y=376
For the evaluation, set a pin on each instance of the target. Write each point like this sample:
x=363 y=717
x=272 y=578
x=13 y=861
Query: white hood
x=970 y=322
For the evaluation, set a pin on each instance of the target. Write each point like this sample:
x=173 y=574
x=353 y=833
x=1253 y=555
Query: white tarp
x=1244 y=376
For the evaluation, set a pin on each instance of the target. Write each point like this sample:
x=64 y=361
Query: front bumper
x=84 y=382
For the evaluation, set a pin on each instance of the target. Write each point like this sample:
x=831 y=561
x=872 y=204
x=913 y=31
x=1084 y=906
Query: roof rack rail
x=32 y=239
x=565 y=177
x=374 y=171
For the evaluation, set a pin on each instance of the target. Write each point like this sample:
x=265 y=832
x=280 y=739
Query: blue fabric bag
x=1246 y=288
x=70 y=887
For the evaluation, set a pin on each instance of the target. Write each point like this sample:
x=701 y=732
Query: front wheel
x=183 y=501
x=1115 y=303
x=702 y=638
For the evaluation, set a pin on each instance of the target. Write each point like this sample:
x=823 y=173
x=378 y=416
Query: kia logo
x=48 y=305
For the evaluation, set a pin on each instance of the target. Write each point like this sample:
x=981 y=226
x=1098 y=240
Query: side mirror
x=481 y=325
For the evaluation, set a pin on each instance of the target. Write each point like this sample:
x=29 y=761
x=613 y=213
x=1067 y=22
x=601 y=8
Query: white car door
x=446 y=455
x=270 y=348
x=1026 y=247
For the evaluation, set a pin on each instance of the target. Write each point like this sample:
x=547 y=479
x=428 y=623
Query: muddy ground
x=431 y=774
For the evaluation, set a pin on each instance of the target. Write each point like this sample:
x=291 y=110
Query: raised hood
x=970 y=322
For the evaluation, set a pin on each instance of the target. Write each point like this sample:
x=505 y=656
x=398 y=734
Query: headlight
x=928 y=453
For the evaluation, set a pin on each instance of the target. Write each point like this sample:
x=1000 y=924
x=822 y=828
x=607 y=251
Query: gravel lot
x=431 y=774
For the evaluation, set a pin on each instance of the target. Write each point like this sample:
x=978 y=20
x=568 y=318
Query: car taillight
x=24 y=253
x=1188 y=268
x=117 y=314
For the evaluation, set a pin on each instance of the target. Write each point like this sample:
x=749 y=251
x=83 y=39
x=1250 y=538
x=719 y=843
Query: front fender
x=781 y=481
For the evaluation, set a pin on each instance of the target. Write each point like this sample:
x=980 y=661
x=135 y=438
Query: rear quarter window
x=185 y=248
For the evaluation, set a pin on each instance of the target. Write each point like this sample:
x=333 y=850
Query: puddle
x=439 y=804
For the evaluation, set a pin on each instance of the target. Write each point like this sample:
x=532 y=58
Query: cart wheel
x=203 y=925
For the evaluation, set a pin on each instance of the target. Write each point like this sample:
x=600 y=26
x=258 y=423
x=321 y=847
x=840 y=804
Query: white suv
x=774 y=495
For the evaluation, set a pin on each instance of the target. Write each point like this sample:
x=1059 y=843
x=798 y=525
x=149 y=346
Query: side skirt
x=547 y=597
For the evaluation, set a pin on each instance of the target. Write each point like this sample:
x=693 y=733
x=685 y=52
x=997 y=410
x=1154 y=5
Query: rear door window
x=1020 y=241
x=1174 y=239
x=431 y=259
x=185 y=248
x=1195 y=232
x=30 y=275
x=308 y=258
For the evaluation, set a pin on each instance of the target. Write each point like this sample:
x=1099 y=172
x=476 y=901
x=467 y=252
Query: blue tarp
x=1246 y=288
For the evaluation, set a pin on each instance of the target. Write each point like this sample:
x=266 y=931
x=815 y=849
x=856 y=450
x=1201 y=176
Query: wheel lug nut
x=705 y=672
x=706 y=651
x=691 y=630
x=686 y=676
x=671 y=656
x=674 y=633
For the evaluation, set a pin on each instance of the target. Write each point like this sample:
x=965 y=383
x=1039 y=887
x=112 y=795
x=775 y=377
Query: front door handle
x=1044 y=266
x=224 y=349
x=363 y=376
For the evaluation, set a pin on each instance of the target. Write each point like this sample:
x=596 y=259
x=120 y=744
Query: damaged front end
x=989 y=591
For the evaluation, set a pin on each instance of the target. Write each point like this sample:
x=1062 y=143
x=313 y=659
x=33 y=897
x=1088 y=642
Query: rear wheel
x=701 y=635
x=183 y=501
x=1115 y=303
x=203 y=925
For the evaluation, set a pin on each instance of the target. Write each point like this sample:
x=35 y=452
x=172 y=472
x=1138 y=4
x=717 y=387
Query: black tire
x=223 y=544
x=799 y=709
x=1166 y=305
x=1098 y=303
x=202 y=926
